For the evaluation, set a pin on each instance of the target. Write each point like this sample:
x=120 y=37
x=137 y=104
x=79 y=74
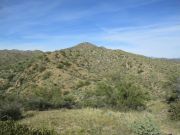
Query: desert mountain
x=81 y=68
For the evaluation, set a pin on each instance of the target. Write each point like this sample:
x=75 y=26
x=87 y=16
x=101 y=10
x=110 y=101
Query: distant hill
x=178 y=59
x=81 y=68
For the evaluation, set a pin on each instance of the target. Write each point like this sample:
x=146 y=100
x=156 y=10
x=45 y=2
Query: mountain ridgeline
x=82 y=75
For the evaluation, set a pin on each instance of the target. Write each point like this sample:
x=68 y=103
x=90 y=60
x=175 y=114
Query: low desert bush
x=145 y=126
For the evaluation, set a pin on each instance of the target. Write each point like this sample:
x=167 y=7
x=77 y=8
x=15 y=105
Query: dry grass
x=85 y=121
x=97 y=122
x=82 y=121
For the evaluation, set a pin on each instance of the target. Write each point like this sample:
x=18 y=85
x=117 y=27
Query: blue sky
x=148 y=27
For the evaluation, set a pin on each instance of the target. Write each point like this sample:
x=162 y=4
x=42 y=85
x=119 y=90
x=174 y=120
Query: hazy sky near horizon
x=147 y=27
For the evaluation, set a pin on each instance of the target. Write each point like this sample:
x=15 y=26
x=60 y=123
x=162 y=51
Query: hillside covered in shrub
x=88 y=76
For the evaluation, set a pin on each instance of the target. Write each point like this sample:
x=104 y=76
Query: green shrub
x=82 y=83
x=49 y=98
x=46 y=59
x=123 y=96
x=4 y=84
x=10 y=76
x=63 y=64
x=12 y=128
x=145 y=127
x=174 y=110
x=66 y=63
x=171 y=97
x=140 y=71
x=63 y=53
x=38 y=103
x=46 y=75
x=10 y=111
x=68 y=101
x=41 y=67
x=129 y=95
x=60 y=66
x=173 y=94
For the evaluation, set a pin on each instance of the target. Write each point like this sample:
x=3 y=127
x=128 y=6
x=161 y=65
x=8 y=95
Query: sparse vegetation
x=89 y=76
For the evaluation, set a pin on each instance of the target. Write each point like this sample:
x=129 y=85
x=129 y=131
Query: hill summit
x=88 y=44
